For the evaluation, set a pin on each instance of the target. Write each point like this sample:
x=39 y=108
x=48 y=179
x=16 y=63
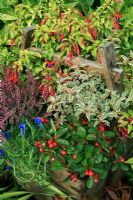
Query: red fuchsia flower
x=93 y=33
x=43 y=21
x=80 y=13
x=70 y=54
x=68 y=63
x=76 y=48
x=50 y=63
x=12 y=77
x=48 y=78
x=43 y=40
x=44 y=120
x=61 y=36
x=117 y=17
x=87 y=20
x=83 y=42
x=60 y=72
x=52 y=33
x=70 y=28
x=61 y=16
x=89 y=172
x=51 y=92
x=44 y=90
x=12 y=42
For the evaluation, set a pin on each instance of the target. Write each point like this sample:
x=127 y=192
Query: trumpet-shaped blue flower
x=7 y=135
x=8 y=168
x=22 y=127
x=37 y=120
x=2 y=153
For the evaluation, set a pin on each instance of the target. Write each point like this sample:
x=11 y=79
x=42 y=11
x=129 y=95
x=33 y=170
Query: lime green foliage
x=126 y=121
x=59 y=27
x=81 y=93
x=130 y=161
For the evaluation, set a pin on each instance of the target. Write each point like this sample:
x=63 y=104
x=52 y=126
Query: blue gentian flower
x=8 y=168
x=22 y=127
x=7 y=135
x=2 y=153
x=37 y=120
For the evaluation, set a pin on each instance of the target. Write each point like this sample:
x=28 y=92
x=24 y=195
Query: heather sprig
x=19 y=98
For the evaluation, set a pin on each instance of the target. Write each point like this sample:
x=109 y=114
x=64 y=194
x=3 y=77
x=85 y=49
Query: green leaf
x=53 y=128
x=90 y=137
x=7 y=195
x=130 y=128
x=25 y=197
x=92 y=130
x=115 y=166
x=81 y=132
x=61 y=132
x=129 y=161
x=46 y=158
x=109 y=134
x=55 y=166
x=63 y=142
x=124 y=167
x=90 y=182
x=5 y=17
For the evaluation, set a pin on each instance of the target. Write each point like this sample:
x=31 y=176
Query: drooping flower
x=38 y=121
x=12 y=42
x=117 y=17
x=7 y=135
x=2 y=153
x=22 y=127
x=8 y=168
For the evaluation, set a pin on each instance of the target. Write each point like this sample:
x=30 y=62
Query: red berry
x=108 y=140
x=96 y=144
x=41 y=150
x=74 y=156
x=89 y=172
x=50 y=141
x=63 y=152
x=96 y=178
x=54 y=137
x=84 y=122
x=74 y=177
x=51 y=146
x=122 y=159
x=37 y=143
x=52 y=159
x=54 y=144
